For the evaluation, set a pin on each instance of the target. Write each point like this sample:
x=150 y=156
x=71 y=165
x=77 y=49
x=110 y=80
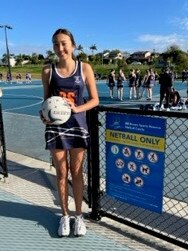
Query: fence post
x=93 y=163
x=3 y=163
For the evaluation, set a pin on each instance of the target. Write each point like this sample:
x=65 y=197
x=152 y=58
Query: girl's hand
x=43 y=119
x=74 y=108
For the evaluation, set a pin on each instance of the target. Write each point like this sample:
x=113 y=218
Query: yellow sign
x=137 y=140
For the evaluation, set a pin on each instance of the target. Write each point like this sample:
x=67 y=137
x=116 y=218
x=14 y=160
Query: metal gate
x=172 y=224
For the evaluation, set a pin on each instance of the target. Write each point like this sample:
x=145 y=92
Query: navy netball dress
x=74 y=132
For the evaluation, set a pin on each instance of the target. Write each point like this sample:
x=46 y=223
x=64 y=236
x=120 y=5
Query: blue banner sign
x=135 y=147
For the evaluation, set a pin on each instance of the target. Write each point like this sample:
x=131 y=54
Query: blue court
x=27 y=98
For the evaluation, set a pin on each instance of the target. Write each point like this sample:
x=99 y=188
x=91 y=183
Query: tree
x=106 y=51
x=80 y=48
x=83 y=57
x=4 y=58
x=40 y=57
x=121 y=64
x=173 y=52
x=114 y=53
x=19 y=59
x=93 y=48
x=34 y=58
x=174 y=56
x=182 y=61
x=50 y=56
x=26 y=57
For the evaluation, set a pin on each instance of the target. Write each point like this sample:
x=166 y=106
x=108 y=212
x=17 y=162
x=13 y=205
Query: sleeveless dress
x=120 y=81
x=74 y=132
x=132 y=79
x=111 y=82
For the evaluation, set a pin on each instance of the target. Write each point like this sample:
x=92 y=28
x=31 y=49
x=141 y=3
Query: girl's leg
x=150 y=93
x=134 y=91
x=162 y=95
x=143 y=91
x=147 y=89
x=167 y=97
x=121 y=93
x=76 y=161
x=61 y=165
x=137 y=92
x=130 y=92
x=111 y=92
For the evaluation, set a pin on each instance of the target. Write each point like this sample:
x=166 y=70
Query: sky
x=127 y=25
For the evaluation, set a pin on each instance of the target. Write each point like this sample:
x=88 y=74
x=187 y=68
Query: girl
x=111 y=82
x=120 y=79
x=68 y=78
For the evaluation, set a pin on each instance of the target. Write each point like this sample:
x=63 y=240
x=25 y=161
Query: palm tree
x=5 y=58
x=93 y=48
x=80 y=48
x=19 y=59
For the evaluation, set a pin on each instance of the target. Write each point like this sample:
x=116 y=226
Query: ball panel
x=56 y=110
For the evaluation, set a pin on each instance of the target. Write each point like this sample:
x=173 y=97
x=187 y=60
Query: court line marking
x=19 y=87
x=22 y=114
x=25 y=106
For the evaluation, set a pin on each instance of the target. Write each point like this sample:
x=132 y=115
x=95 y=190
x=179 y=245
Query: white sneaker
x=64 y=226
x=161 y=108
x=167 y=109
x=79 y=226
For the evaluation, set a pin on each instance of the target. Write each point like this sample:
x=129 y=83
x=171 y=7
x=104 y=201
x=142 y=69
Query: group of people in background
x=141 y=85
x=19 y=78
x=135 y=82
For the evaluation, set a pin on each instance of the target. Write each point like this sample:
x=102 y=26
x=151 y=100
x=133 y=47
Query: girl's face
x=63 y=46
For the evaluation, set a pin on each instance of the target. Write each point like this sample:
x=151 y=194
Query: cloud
x=184 y=23
x=181 y=20
x=162 y=42
x=181 y=23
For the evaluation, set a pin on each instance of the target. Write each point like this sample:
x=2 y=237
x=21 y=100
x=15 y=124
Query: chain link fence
x=172 y=224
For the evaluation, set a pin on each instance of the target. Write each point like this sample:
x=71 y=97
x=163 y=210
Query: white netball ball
x=56 y=110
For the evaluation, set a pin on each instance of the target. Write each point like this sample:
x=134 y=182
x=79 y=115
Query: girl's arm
x=45 y=81
x=46 y=89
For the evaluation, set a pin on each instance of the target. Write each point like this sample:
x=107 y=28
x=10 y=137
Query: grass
x=35 y=71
